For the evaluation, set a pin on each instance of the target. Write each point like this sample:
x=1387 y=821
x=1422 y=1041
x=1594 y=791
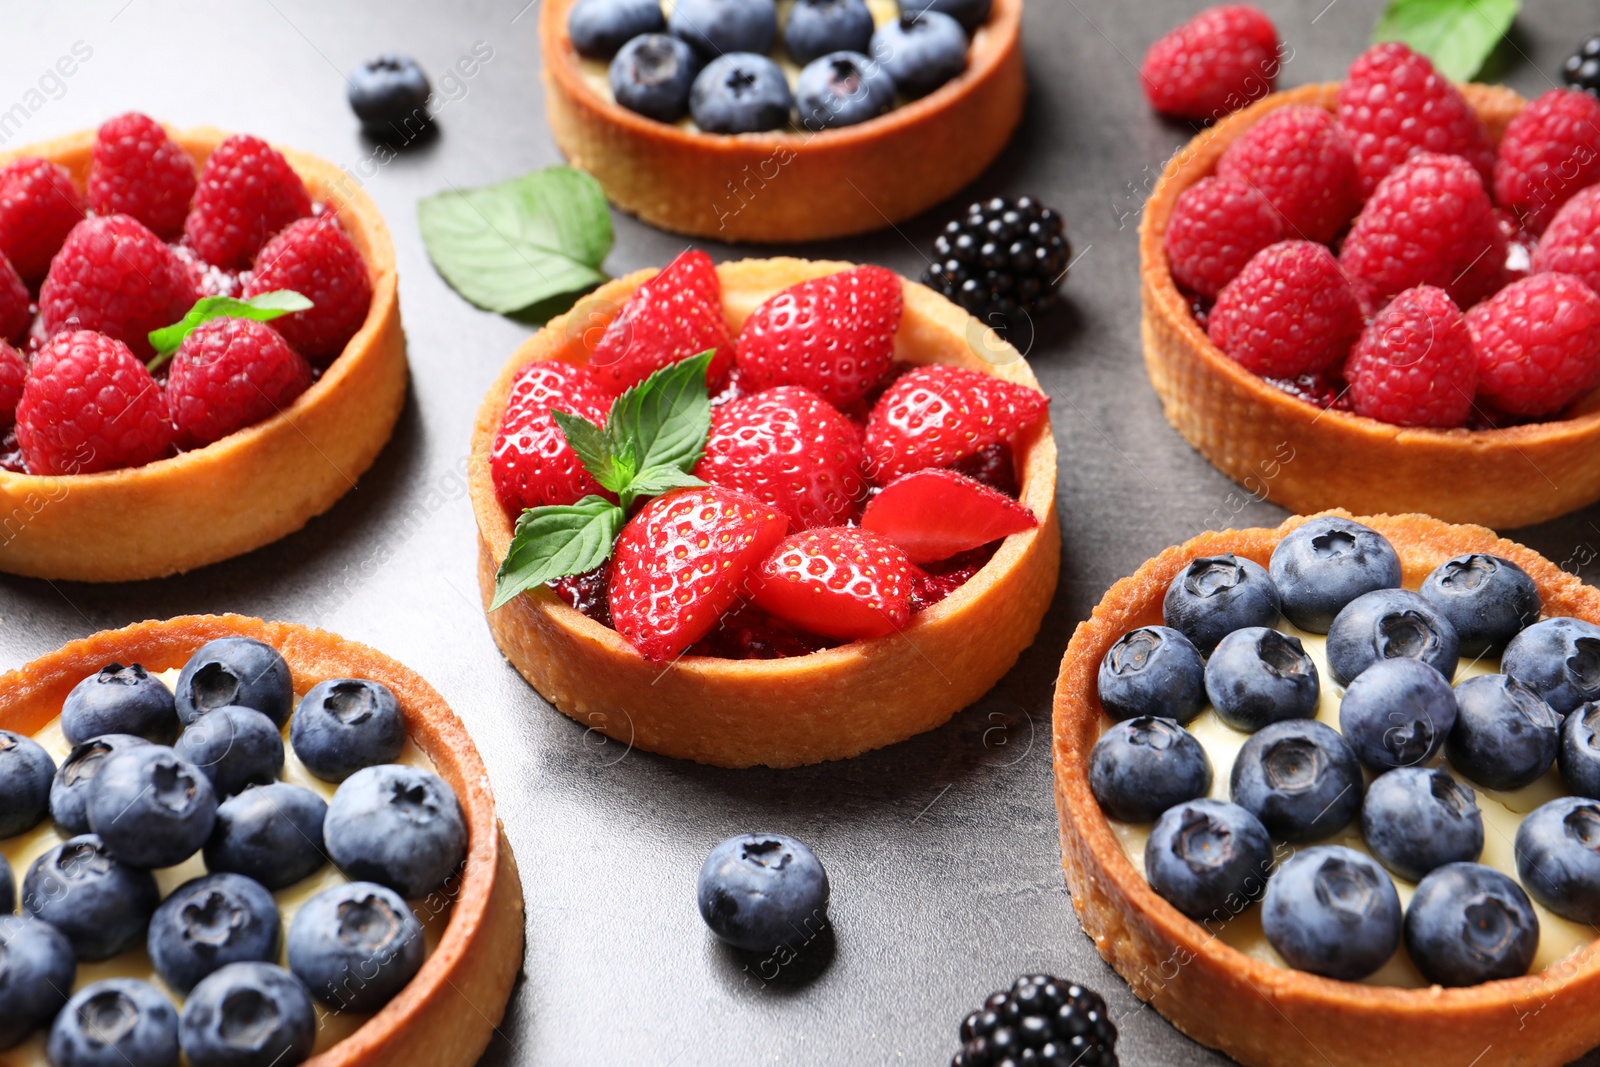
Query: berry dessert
x=216 y=322
x=781 y=120
x=704 y=486
x=1390 y=838
x=1394 y=276
x=224 y=898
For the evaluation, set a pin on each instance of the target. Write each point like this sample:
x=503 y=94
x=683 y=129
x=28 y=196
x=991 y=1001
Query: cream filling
x=333 y=1025
x=1502 y=814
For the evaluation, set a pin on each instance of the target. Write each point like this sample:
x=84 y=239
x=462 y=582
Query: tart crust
x=1502 y=478
x=250 y=488
x=1266 y=1016
x=830 y=704
x=446 y=1015
x=773 y=187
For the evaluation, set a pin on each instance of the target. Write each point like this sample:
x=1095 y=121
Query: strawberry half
x=934 y=514
x=674 y=315
x=531 y=462
x=935 y=416
x=841 y=581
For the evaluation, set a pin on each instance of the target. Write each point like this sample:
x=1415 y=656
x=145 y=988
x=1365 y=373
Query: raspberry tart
x=230 y=311
x=841 y=533
x=214 y=815
x=1268 y=790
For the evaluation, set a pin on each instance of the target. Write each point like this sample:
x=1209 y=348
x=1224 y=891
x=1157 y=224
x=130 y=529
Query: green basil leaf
x=554 y=542
x=667 y=416
x=262 y=308
x=610 y=461
x=653 y=481
x=1457 y=35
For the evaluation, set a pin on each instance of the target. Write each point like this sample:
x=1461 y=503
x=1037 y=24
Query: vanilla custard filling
x=1502 y=815
x=333 y=1025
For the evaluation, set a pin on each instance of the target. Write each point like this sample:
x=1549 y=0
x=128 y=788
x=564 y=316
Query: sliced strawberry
x=933 y=514
x=683 y=561
x=531 y=463
x=674 y=315
x=840 y=581
x=833 y=335
x=935 y=416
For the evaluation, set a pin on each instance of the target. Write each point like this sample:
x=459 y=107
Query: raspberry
x=1393 y=103
x=1414 y=364
x=1538 y=344
x=531 y=462
x=1289 y=312
x=1216 y=226
x=137 y=170
x=1302 y=162
x=1428 y=223
x=39 y=206
x=841 y=581
x=674 y=315
x=1217 y=62
x=247 y=193
x=15 y=313
x=229 y=374
x=13 y=372
x=1571 y=243
x=116 y=277
x=935 y=416
x=1549 y=152
x=89 y=405
x=317 y=259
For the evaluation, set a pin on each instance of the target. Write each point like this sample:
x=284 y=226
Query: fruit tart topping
x=1390 y=624
x=120 y=1021
x=1414 y=364
x=1468 y=923
x=531 y=462
x=234 y=747
x=119 y=699
x=1548 y=152
x=1505 y=737
x=137 y=170
x=1217 y=62
x=842 y=89
x=759 y=892
x=355 y=946
x=116 y=277
x=1005 y=260
x=1332 y=911
x=39 y=974
x=1290 y=311
x=920 y=50
x=1326 y=562
x=151 y=808
x=1301 y=160
x=1578 y=756
x=1489 y=600
x=1204 y=853
x=1257 y=676
x=1069 y=1022
x=345 y=724
x=1559 y=659
x=1537 y=343
x=1216 y=595
x=239 y=671
x=16 y=312
x=399 y=826
x=1300 y=778
x=69 y=792
x=842 y=582
x=674 y=315
x=717 y=27
x=1558 y=857
x=100 y=903
x=599 y=27
x=1571 y=243
x=39 y=206
x=994 y=466
x=90 y=405
x=815 y=28
x=933 y=514
x=317 y=259
x=248 y=1015
x=740 y=92
x=652 y=75
x=1153 y=670
x=26 y=773
x=935 y=416
x=1217 y=225
x=1144 y=765
x=230 y=373
x=209 y=922
x=1415 y=819
x=271 y=833
x=247 y=192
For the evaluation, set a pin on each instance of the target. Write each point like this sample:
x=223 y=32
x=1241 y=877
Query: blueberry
x=209 y=922
x=842 y=89
x=723 y=27
x=69 y=792
x=1300 y=778
x=1332 y=911
x=759 y=891
x=1504 y=736
x=1468 y=924
x=355 y=946
x=120 y=1022
x=1559 y=659
x=653 y=74
x=345 y=724
x=397 y=826
x=1216 y=595
x=248 y=1015
x=740 y=92
x=1204 y=854
x=1325 y=563
x=1558 y=857
x=235 y=747
x=817 y=27
x=8 y=888
x=1140 y=768
x=921 y=52
x=390 y=95
x=1258 y=676
x=101 y=904
x=26 y=771
x=1153 y=670
x=120 y=700
x=599 y=27
x=1397 y=714
x=235 y=670
x=970 y=13
x=151 y=808
x=1579 y=753
x=1418 y=818
x=1487 y=599
x=36 y=973
x=272 y=833
x=1390 y=624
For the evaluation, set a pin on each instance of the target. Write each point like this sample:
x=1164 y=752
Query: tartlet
x=1275 y=1016
x=830 y=704
x=793 y=186
x=250 y=488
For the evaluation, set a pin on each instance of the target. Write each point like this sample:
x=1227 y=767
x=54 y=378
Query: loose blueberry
x=1258 y=676
x=26 y=771
x=1204 y=853
x=209 y=922
x=1559 y=659
x=390 y=96
x=1418 y=818
x=1558 y=857
x=1504 y=736
x=397 y=826
x=1390 y=624
x=1140 y=768
x=723 y=27
x=271 y=833
x=970 y=13
x=120 y=700
x=1300 y=778
x=599 y=27
x=120 y=1022
x=1468 y=924
x=1153 y=670
x=842 y=89
x=8 y=888
x=817 y=27
x=151 y=808
x=653 y=74
x=740 y=92
x=759 y=891
x=1487 y=599
x=1325 y=563
x=1397 y=714
x=248 y=1015
x=235 y=670
x=1216 y=595
x=345 y=724
x=69 y=791
x=101 y=904
x=921 y=52
x=234 y=747
x=36 y=973
x=1332 y=911
x=355 y=946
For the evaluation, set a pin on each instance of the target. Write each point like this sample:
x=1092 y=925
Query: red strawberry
x=833 y=335
x=683 y=561
x=39 y=206
x=934 y=514
x=13 y=373
x=247 y=193
x=1549 y=152
x=115 y=276
x=90 y=405
x=1301 y=161
x=531 y=463
x=1414 y=364
x=935 y=416
x=1538 y=344
x=229 y=374
x=840 y=581
x=315 y=258
x=137 y=170
x=674 y=315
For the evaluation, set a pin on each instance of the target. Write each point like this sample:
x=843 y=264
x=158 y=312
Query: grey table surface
x=942 y=850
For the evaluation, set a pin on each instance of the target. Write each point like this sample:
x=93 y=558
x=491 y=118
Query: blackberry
x=1582 y=69
x=1004 y=260
x=1041 y=1022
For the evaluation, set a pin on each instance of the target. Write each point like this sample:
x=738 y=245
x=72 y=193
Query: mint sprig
x=1457 y=35
x=262 y=308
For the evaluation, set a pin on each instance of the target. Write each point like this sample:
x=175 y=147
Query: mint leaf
x=653 y=481
x=262 y=308
x=611 y=462
x=557 y=541
x=667 y=416
x=508 y=246
x=1457 y=35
